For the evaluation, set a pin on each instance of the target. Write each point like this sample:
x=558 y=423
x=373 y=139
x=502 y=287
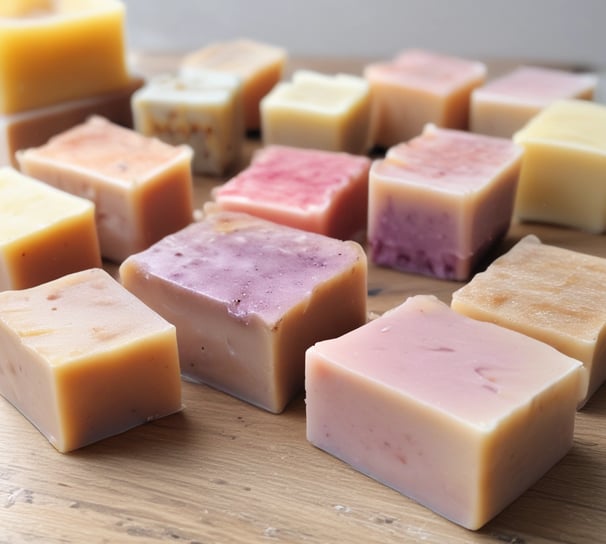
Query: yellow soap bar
x=60 y=50
x=44 y=233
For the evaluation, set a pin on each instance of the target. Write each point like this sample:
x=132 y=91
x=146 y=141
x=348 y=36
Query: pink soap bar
x=439 y=202
x=318 y=191
x=460 y=415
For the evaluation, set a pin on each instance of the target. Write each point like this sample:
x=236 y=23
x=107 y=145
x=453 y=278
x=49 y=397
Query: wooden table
x=223 y=471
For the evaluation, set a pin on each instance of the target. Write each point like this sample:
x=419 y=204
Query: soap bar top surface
x=42 y=12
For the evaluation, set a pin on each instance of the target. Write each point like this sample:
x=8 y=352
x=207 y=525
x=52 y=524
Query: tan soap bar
x=83 y=359
x=44 y=233
x=141 y=187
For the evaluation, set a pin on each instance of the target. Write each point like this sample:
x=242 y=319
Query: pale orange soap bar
x=142 y=187
x=83 y=359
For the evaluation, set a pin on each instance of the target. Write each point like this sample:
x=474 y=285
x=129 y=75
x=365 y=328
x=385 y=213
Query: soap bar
x=563 y=176
x=142 y=187
x=438 y=203
x=419 y=87
x=317 y=191
x=553 y=294
x=60 y=50
x=460 y=415
x=44 y=233
x=319 y=111
x=248 y=296
x=504 y=105
x=259 y=66
x=83 y=359
x=202 y=111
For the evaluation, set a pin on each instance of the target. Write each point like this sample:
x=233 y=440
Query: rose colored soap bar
x=438 y=203
x=505 y=104
x=248 y=297
x=141 y=187
x=83 y=359
x=317 y=191
x=550 y=293
x=459 y=415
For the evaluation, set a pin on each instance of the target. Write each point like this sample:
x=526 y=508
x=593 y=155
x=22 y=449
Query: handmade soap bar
x=504 y=105
x=319 y=111
x=439 y=202
x=460 y=415
x=553 y=294
x=317 y=191
x=419 y=87
x=563 y=176
x=259 y=66
x=57 y=50
x=44 y=233
x=203 y=111
x=83 y=359
x=248 y=297
x=142 y=187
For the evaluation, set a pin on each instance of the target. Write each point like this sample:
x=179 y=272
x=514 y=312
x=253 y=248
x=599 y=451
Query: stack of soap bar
x=142 y=187
x=248 y=297
x=563 y=176
x=504 y=105
x=438 y=203
x=317 y=191
x=460 y=415
x=319 y=111
x=419 y=87
x=83 y=359
x=44 y=233
x=550 y=293
x=259 y=67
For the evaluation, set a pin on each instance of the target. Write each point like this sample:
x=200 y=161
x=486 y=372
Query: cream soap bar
x=317 y=191
x=460 y=415
x=550 y=293
x=438 y=203
x=44 y=233
x=563 y=176
x=248 y=297
x=504 y=105
x=259 y=66
x=83 y=359
x=57 y=50
x=142 y=187
x=419 y=87
x=313 y=110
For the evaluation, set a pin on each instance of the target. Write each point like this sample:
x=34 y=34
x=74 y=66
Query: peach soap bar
x=504 y=105
x=317 y=191
x=419 y=87
x=57 y=50
x=313 y=110
x=438 y=203
x=460 y=415
x=83 y=359
x=563 y=176
x=44 y=233
x=142 y=187
x=259 y=67
x=553 y=294
x=248 y=297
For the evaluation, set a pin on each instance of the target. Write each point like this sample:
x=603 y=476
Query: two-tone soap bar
x=247 y=297
x=460 y=415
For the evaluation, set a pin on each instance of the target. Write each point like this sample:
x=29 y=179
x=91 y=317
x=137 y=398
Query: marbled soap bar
x=317 y=191
x=44 y=233
x=141 y=187
x=83 y=359
x=460 y=415
x=248 y=297
x=438 y=203
x=550 y=293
